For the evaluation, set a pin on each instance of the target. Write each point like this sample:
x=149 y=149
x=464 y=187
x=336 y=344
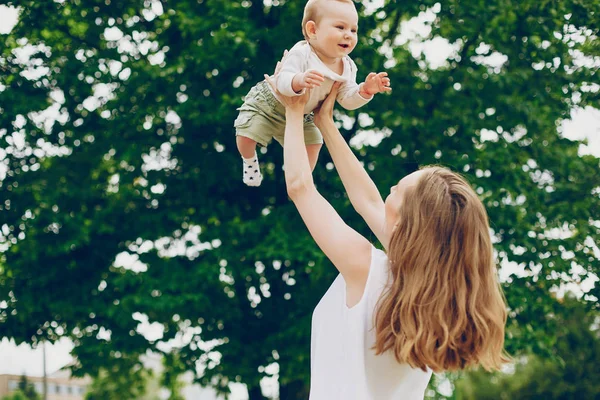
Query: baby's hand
x=307 y=80
x=295 y=102
x=376 y=83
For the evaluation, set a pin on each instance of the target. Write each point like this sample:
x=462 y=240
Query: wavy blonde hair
x=311 y=13
x=444 y=308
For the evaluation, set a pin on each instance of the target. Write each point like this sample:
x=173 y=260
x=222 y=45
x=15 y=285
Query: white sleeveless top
x=343 y=364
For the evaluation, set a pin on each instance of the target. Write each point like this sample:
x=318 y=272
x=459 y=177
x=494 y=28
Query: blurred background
x=134 y=264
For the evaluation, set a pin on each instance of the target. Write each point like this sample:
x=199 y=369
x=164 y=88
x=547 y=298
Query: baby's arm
x=307 y=80
x=352 y=95
x=376 y=83
x=292 y=80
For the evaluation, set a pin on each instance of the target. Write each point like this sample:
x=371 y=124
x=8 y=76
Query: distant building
x=61 y=386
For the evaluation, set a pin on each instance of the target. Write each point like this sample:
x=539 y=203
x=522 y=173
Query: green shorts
x=262 y=118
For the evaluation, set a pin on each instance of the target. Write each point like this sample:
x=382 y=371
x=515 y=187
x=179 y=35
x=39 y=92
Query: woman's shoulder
x=379 y=267
x=378 y=275
x=378 y=257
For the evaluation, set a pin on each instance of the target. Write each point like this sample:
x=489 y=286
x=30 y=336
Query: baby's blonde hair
x=311 y=13
x=444 y=309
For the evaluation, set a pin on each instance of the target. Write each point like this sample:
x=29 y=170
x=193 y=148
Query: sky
x=584 y=123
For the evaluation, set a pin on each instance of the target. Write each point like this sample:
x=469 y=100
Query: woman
x=430 y=302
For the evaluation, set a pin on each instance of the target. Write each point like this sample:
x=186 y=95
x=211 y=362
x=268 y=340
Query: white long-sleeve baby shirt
x=301 y=58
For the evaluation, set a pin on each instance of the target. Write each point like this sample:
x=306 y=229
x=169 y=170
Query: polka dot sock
x=252 y=175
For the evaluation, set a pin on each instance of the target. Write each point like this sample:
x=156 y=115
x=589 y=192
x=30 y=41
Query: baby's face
x=336 y=32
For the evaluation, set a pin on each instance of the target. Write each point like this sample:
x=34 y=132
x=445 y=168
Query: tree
x=27 y=389
x=115 y=384
x=18 y=395
x=148 y=175
x=170 y=379
x=567 y=375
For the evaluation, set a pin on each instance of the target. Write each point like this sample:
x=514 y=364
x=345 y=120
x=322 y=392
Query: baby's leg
x=246 y=146
x=313 y=154
x=254 y=125
x=251 y=175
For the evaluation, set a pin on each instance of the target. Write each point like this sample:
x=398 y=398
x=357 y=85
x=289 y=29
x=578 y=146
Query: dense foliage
x=120 y=185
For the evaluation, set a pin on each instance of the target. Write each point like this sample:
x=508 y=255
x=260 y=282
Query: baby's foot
x=252 y=175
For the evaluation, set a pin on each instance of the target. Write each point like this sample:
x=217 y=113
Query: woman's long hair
x=444 y=308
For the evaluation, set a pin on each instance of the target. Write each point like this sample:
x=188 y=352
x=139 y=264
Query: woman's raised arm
x=347 y=249
x=361 y=189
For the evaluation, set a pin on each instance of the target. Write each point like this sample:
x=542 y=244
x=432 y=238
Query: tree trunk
x=255 y=393
x=297 y=390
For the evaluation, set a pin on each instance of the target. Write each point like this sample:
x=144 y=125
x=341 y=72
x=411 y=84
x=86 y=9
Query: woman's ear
x=311 y=29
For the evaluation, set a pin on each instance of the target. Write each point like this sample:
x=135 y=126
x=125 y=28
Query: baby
x=330 y=31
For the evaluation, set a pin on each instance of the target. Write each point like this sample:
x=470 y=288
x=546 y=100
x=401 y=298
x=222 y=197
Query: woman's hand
x=294 y=103
x=325 y=112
